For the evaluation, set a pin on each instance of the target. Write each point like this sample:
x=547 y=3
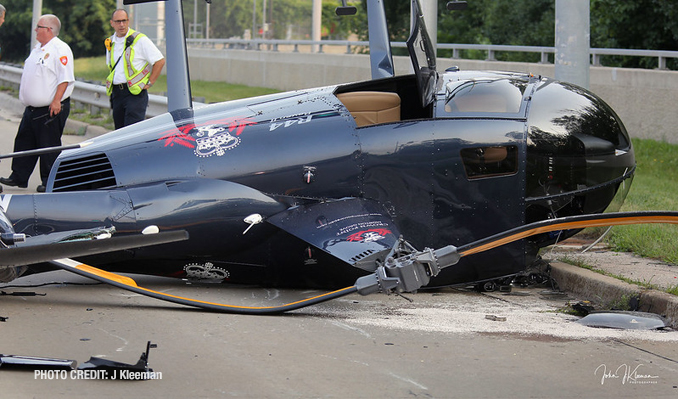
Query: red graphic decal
x=180 y=136
x=64 y=60
x=237 y=124
x=183 y=135
x=368 y=235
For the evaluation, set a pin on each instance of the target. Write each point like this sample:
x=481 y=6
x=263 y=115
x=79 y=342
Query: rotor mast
x=179 y=98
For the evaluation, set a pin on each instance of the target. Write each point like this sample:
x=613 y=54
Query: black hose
x=129 y=284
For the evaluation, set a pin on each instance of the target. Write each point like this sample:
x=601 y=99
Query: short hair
x=53 y=22
x=120 y=9
x=2 y=9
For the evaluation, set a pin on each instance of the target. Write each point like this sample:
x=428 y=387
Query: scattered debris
x=517 y=293
x=583 y=308
x=624 y=320
x=138 y=371
x=95 y=366
x=3 y=318
x=495 y=318
x=35 y=363
x=21 y=293
x=501 y=285
x=552 y=294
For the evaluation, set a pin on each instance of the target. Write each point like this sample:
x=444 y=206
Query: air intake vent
x=89 y=173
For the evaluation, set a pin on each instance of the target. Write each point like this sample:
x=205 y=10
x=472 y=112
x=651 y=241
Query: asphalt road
x=440 y=345
x=10 y=116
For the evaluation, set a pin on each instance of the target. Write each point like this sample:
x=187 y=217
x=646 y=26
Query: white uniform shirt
x=45 y=68
x=144 y=52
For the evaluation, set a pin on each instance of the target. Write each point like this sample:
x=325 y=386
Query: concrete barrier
x=606 y=290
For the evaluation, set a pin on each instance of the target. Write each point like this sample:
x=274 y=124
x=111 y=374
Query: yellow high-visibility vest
x=136 y=79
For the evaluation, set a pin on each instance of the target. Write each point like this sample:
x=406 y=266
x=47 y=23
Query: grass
x=580 y=263
x=654 y=188
x=94 y=69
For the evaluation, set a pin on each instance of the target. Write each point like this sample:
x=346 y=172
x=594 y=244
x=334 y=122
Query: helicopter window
x=496 y=96
x=482 y=162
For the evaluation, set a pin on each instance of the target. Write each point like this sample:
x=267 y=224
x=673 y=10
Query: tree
x=639 y=24
x=84 y=26
x=15 y=33
x=231 y=18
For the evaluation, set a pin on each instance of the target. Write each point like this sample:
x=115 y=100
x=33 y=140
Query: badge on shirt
x=46 y=56
x=64 y=60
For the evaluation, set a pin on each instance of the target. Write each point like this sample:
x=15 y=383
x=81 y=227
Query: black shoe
x=8 y=181
x=41 y=189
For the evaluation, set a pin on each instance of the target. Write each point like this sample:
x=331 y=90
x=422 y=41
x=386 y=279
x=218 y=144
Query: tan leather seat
x=371 y=107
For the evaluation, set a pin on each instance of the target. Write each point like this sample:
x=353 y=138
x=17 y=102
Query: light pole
x=37 y=12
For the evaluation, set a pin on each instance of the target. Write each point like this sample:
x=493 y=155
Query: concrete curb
x=607 y=290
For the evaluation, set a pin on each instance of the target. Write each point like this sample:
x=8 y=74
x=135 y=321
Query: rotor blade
x=567 y=223
x=129 y=284
x=30 y=254
x=45 y=150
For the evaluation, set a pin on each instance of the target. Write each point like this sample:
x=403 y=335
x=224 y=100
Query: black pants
x=127 y=107
x=38 y=130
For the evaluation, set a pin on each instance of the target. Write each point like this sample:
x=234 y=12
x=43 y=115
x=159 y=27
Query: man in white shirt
x=46 y=86
x=134 y=63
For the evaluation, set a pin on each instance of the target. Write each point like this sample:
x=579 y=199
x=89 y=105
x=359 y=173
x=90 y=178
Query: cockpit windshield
x=490 y=95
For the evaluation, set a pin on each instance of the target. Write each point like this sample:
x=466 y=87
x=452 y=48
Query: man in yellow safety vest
x=134 y=63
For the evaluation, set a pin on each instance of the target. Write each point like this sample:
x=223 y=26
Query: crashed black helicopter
x=347 y=185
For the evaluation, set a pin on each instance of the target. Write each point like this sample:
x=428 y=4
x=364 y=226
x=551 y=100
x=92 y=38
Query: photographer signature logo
x=625 y=374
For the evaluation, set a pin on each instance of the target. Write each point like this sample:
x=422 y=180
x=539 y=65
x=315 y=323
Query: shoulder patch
x=64 y=60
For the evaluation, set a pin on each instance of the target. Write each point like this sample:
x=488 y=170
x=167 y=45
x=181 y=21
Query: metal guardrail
x=352 y=46
x=90 y=95
x=94 y=96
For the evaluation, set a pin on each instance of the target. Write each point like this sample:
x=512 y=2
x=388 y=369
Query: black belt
x=120 y=86
x=46 y=107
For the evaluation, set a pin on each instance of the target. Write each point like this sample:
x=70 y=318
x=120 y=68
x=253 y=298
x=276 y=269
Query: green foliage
x=227 y=18
x=15 y=33
x=397 y=15
x=516 y=22
x=286 y=19
x=337 y=27
x=84 y=25
x=638 y=24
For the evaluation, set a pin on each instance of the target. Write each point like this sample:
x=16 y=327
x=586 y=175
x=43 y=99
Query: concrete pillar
x=430 y=10
x=37 y=12
x=316 y=26
x=160 y=27
x=572 y=59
